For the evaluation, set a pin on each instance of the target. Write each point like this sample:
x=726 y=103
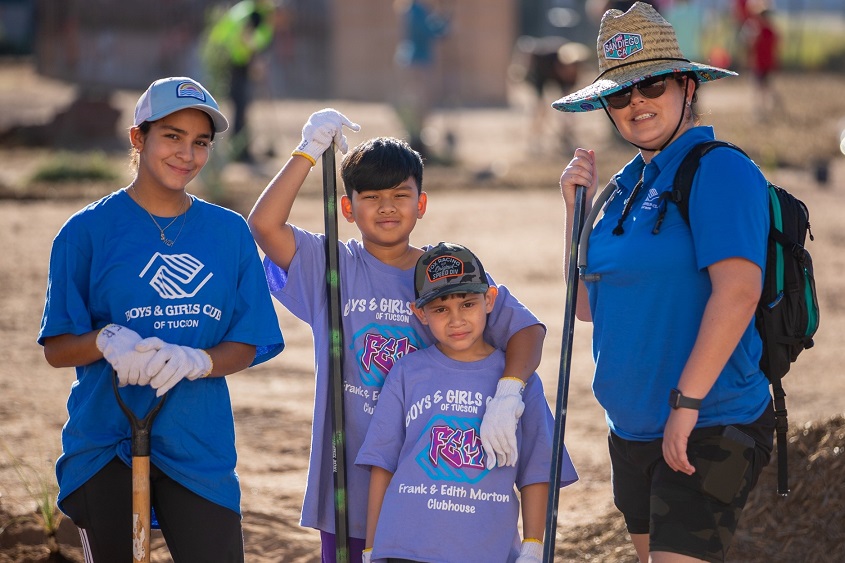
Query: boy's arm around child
x=268 y=223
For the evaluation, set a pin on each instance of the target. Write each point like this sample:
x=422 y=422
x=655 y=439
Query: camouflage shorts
x=672 y=507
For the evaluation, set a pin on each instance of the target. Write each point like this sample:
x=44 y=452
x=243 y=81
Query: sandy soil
x=507 y=175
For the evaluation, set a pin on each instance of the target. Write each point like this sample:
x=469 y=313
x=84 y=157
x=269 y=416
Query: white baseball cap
x=169 y=95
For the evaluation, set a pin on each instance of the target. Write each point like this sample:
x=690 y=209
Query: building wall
x=327 y=49
x=471 y=62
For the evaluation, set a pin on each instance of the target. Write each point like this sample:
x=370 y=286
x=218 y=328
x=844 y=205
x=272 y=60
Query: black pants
x=195 y=529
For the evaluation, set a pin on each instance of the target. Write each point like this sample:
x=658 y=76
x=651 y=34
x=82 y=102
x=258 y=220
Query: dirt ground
x=500 y=199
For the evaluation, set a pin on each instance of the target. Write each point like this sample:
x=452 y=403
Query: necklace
x=182 y=212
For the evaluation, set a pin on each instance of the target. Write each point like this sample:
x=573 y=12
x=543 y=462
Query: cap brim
x=219 y=120
x=589 y=97
x=447 y=290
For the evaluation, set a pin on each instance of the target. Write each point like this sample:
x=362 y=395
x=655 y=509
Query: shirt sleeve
x=535 y=447
x=386 y=433
x=254 y=319
x=66 y=306
x=508 y=317
x=729 y=209
x=301 y=289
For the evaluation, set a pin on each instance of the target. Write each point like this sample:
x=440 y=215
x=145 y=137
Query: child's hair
x=380 y=163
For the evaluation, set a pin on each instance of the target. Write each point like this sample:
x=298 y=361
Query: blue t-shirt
x=425 y=431
x=378 y=329
x=648 y=303
x=108 y=266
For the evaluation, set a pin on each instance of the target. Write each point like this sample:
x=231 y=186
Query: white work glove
x=117 y=343
x=498 y=427
x=530 y=552
x=367 y=555
x=172 y=363
x=322 y=129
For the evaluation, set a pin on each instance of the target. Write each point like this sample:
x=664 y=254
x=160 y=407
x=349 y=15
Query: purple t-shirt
x=378 y=329
x=425 y=432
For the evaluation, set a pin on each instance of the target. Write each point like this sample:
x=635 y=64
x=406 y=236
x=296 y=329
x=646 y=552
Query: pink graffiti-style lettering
x=460 y=448
x=382 y=353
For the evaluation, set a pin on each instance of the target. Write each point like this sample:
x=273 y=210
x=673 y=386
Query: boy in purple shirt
x=422 y=447
x=384 y=198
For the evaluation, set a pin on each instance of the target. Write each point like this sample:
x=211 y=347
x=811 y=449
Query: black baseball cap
x=445 y=269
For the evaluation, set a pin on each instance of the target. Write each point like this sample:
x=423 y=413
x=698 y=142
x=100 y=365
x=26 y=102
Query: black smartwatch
x=678 y=401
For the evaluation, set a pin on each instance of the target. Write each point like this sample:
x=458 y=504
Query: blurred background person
x=550 y=65
x=761 y=39
x=422 y=27
x=231 y=52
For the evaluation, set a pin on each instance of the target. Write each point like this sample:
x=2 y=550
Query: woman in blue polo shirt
x=672 y=304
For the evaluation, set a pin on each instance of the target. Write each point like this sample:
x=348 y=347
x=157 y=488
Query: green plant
x=42 y=490
x=72 y=167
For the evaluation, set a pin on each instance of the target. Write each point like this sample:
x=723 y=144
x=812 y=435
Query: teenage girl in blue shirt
x=166 y=292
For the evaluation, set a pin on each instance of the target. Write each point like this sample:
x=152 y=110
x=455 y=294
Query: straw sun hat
x=631 y=47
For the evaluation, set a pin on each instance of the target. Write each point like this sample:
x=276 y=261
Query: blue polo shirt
x=648 y=303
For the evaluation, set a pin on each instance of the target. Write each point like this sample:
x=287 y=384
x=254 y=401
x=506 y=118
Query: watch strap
x=677 y=400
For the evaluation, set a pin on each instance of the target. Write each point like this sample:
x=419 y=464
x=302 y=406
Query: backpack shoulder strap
x=682 y=184
x=584 y=237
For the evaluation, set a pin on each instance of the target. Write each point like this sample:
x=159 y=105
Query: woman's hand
x=173 y=363
x=581 y=171
x=117 y=343
x=675 y=437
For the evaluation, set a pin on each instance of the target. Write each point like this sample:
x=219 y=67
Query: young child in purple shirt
x=422 y=446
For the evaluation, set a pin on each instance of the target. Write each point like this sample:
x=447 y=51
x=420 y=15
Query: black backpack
x=787 y=315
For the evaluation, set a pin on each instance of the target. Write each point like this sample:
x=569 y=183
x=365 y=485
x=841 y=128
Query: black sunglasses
x=651 y=88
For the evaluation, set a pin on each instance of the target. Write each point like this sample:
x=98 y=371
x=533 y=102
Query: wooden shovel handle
x=141 y=509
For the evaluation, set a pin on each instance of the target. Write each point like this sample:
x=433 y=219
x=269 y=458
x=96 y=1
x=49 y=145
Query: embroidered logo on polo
x=190 y=90
x=623 y=45
x=652 y=200
x=455 y=452
x=175 y=276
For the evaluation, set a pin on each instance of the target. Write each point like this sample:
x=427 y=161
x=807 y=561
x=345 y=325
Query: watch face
x=677 y=400
x=674 y=395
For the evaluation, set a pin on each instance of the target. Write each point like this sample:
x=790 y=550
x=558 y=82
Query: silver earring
x=689 y=103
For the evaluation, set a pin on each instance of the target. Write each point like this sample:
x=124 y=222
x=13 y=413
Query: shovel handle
x=141 y=428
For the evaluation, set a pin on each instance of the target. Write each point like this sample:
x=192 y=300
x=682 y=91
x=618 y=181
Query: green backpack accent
x=787 y=315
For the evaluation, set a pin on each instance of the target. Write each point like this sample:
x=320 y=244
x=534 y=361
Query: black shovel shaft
x=141 y=427
x=563 y=376
x=335 y=356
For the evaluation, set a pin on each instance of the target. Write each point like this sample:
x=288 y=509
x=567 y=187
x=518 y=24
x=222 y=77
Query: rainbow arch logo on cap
x=190 y=90
x=623 y=45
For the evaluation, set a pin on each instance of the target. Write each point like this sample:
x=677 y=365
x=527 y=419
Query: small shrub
x=71 y=167
x=42 y=490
